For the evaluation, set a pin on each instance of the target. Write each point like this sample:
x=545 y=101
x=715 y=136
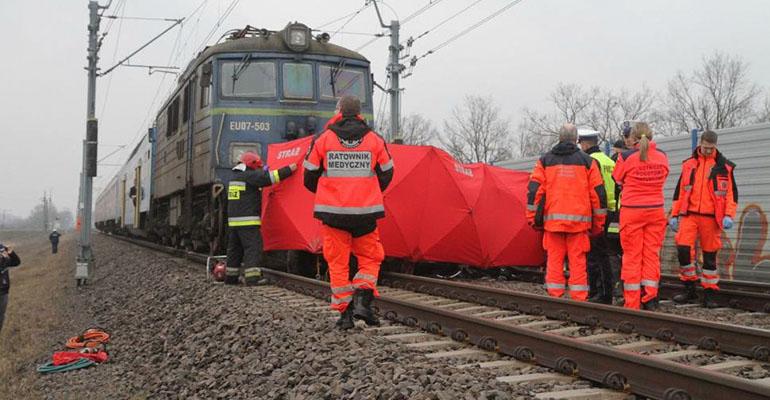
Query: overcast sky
x=517 y=58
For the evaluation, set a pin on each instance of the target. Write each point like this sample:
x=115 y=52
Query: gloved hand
x=727 y=222
x=674 y=223
x=293 y=167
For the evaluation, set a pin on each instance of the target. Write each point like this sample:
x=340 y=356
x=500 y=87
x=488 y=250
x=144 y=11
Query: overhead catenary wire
x=219 y=22
x=365 y=6
x=406 y=20
x=121 y=11
x=445 y=20
x=465 y=31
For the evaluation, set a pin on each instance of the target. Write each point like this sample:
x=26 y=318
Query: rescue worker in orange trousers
x=244 y=210
x=348 y=167
x=641 y=172
x=566 y=198
x=705 y=201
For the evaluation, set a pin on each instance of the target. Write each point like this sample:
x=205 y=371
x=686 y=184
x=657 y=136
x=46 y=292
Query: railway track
x=744 y=295
x=562 y=335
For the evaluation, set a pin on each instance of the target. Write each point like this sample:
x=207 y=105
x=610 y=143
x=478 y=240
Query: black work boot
x=689 y=295
x=708 y=299
x=346 y=319
x=600 y=298
x=362 y=306
x=651 y=305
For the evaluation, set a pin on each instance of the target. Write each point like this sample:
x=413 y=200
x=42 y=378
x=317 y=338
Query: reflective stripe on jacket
x=348 y=167
x=244 y=197
x=566 y=192
x=706 y=186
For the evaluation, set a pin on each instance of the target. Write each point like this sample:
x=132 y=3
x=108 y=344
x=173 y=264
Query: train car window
x=205 y=96
x=172 y=114
x=337 y=82
x=180 y=149
x=247 y=79
x=186 y=103
x=297 y=81
x=236 y=149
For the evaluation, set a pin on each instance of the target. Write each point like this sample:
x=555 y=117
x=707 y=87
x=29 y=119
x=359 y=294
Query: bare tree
x=719 y=95
x=415 y=129
x=763 y=114
x=598 y=109
x=476 y=132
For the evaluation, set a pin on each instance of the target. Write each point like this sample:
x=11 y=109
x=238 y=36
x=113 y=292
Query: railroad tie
x=536 y=378
x=462 y=353
x=730 y=365
x=584 y=394
x=509 y=364
x=683 y=353
x=602 y=337
x=644 y=345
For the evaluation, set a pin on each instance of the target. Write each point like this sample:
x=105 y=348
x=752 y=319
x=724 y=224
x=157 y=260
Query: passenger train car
x=254 y=88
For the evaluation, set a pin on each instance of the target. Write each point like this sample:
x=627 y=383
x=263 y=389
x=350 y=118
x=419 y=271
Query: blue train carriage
x=254 y=88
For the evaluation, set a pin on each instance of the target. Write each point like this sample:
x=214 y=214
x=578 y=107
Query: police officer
x=575 y=208
x=244 y=207
x=54 y=238
x=705 y=202
x=600 y=276
x=8 y=258
x=348 y=167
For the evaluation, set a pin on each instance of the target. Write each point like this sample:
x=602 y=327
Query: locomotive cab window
x=236 y=149
x=247 y=79
x=336 y=82
x=297 y=81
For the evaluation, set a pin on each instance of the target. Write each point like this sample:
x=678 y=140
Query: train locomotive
x=254 y=88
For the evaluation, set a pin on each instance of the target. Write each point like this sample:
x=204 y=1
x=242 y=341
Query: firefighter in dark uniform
x=244 y=207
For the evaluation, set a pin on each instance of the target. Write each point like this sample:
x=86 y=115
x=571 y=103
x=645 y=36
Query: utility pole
x=84 y=262
x=85 y=258
x=394 y=72
x=45 y=212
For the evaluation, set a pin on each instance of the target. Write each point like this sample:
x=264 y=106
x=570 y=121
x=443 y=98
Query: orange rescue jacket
x=706 y=187
x=641 y=182
x=566 y=192
x=348 y=167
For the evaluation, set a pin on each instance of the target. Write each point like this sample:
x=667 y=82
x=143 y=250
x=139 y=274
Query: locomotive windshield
x=247 y=79
x=297 y=81
x=337 y=82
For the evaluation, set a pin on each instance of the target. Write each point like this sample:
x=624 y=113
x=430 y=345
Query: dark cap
x=619 y=144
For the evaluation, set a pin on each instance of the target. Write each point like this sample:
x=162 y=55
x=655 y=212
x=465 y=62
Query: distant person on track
x=348 y=167
x=54 y=238
x=244 y=209
x=705 y=202
x=8 y=259
x=641 y=172
x=600 y=277
x=566 y=198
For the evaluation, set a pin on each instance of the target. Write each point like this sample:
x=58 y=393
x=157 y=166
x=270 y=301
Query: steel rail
x=744 y=295
x=733 y=339
x=617 y=369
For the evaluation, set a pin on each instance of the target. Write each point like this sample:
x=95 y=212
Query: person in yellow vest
x=600 y=273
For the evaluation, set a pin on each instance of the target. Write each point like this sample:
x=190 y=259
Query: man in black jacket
x=244 y=208
x=54 y=238
x=8 y=258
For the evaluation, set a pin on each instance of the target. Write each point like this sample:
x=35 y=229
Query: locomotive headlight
x=297 y=37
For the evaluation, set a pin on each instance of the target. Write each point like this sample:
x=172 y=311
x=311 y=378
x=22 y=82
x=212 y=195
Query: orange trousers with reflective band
x=706 y=230
x=574 y=246
x=642 y=231
x=337 y=247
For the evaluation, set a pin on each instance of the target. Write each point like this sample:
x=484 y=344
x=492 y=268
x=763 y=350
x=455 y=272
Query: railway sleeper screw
x=676 y=394
x=488 y=343
x=391 y=316
x=592 y=321
x=459 y=335
x=563 y=315
x=761 y=353
x=536 y=310
x=410 y=321
x=617 y=381
x=626 y=327
x=523 y=353
x=567 y=366
x=708 y=343
x=664 y=334
x=434 y=327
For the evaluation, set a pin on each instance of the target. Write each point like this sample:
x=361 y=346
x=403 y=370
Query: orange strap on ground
x=89 y=338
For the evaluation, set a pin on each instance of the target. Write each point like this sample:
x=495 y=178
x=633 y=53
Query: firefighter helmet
x=251 y=160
